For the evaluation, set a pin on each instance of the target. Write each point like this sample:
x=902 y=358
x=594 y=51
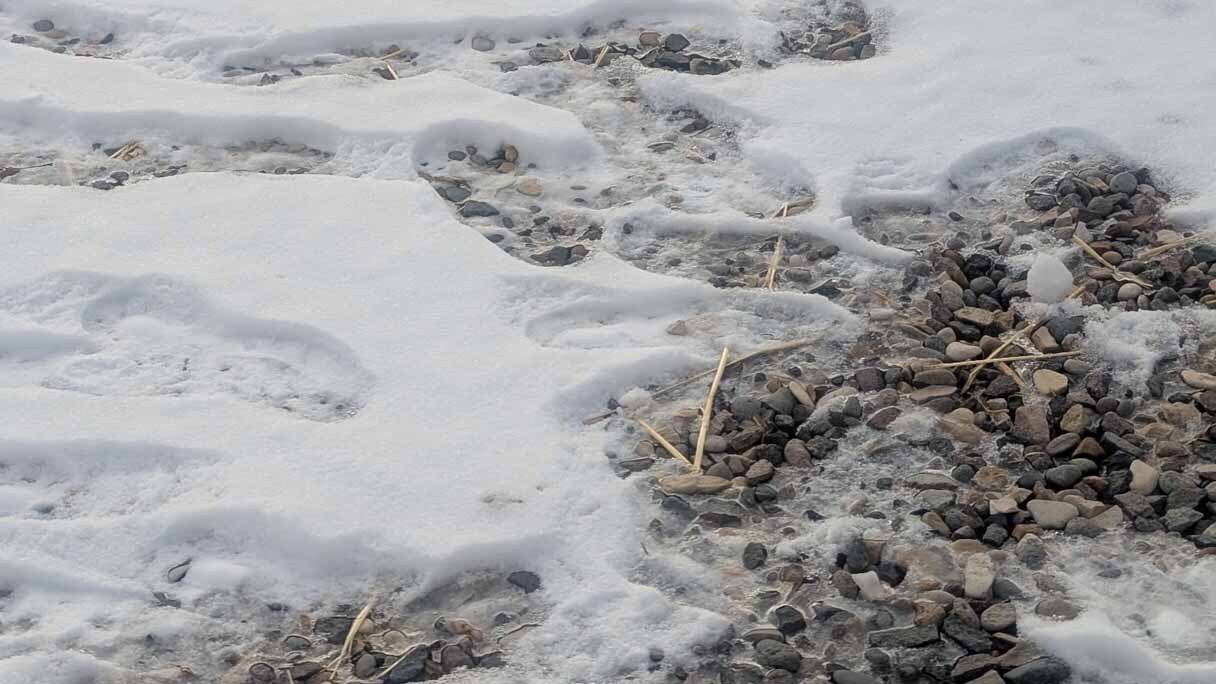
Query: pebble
x=1041 y=671
x=482 y=44
x=1124 y=182
x=904 y=637
x=850 y=677
x=675 y=42
x=961 y=351
x=870 y=587
x=1000 y=617
x=477 y=209
x=528 y=581
x=650 y=39
x=978 y=577
x=1203 y=381
x=693 y=483
x=1129 y=291
x=772 y=653
x=44 y=25
x=1144 y=477
x=754 y=555
x=1052 y=515
x=529 y=186
x=1056 y=608
x=1050 y=383
x=1030 y=425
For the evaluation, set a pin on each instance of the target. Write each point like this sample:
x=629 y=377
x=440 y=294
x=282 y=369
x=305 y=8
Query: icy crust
x=45 y=92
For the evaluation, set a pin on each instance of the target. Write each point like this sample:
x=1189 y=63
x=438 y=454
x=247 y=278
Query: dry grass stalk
x=771 y=280
x=1121 y=276
x=1024 y=332
x=122 y=152
x=746 y=357
x=1011 y=372
x=839 y=44
x=667 y=446
x=708 y=411
x=1006 y=359
x=1162 y=249
x=600 y=57
x=396 y=53
x=391 y=71
x=350 y=636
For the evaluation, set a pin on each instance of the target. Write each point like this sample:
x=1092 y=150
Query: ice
x=1049 y=280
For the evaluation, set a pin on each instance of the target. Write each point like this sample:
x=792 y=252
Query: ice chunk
x=1049 y=281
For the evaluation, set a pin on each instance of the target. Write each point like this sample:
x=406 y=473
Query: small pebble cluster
x=1076 y=456
x=845 y=35
x=47 y=36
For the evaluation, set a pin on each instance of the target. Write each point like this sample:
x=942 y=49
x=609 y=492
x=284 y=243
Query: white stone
x=1144 y=477
x=871 y=588
x=979 y=576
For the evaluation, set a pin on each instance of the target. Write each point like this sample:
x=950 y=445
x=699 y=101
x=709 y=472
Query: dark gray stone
x=476 y=209
x=772 y=653
x=1042 y=671
x=754 y=555
x=528 y=581
x=904 y=637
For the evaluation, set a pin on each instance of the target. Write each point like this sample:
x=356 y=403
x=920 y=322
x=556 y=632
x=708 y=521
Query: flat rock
x=928 y=394
x=1000 y=617
x=1203 y=381
x=1030 y=425
x=1057 y=609
x=961 y=351
x=870 y=587
x=1040 y=671
x=1052 y=515
x=1050 y=383
x=904 y=637
x=930 y=480
x=975 y=316
x=772 y=653
x=691 y=483
x=1144 y=477
x=851 y=677
x=978 y=576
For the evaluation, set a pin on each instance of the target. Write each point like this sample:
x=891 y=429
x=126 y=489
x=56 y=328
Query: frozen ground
x=323 y=387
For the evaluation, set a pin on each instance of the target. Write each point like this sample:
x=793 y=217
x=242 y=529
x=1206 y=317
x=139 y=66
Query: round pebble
x=1129 y=292
x=44 y=25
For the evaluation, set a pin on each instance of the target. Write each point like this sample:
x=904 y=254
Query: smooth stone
x=870 y=587
x=931 y=480
x=773 y=653
x=1041 y=671
x=1050 y=383
x=1144 y=477
x=1203 y=381
x=961 y=351
x=1000 y=617
x=975 y=316
x=1052 y=515
x=482 y=44
x=1129 y=291
x=691 y=483
x=978 y=576
x=1030 y=425
x=904 y=637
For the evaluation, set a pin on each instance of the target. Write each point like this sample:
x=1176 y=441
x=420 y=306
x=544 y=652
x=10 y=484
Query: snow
x=318 y=387
x=1049 y=280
